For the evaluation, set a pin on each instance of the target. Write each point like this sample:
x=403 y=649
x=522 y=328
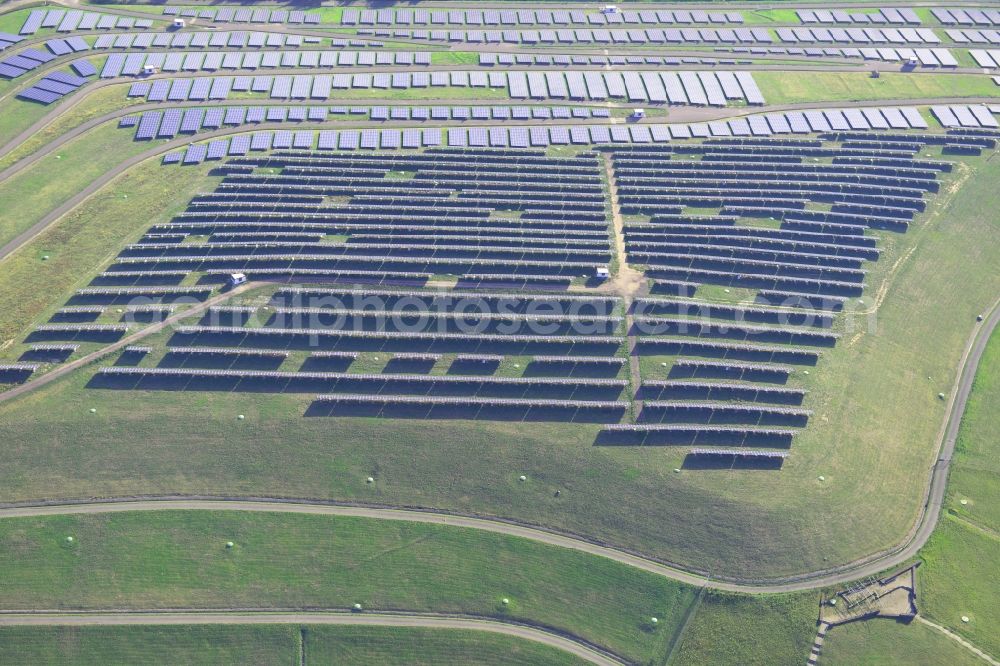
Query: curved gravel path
x=579 y=648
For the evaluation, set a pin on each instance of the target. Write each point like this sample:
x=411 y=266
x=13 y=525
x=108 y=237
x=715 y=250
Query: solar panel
x=173 y=158
x=179 y=90
x=220 y=88
x=261 y=140
x=113 y=66
x=756 y=125
x=235 y=115
x=148 y=124
x=9 y=71
x=750 y=90
x=369 y=138
x=856 y=119
x=200 y=88
x=282 y=139
x=195 y=153
x=327 y=140
x=36 y=94
x=140 y=89
x=875 y=118
x=982 y=115
x=390 y=138
x=693 y=89
x=58 y=47
x=169 y=124
x=191 y=121
x=55 y=86
x=32 y=24
x=964 y=116
x=457 y=137
x=349 y=140
x=213 y=118
x=431 y=137
x=797 y=121
x=817 y=121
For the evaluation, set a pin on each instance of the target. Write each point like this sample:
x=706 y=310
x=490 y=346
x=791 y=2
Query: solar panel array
x=481 y=200
x=541 y=17
x=964 y=115
x=8 y=40
x=205 y=40
x=899 y=16
x=967 y=16
x=765 y=125
x=52 y=87
x=620 y=37
x=70 y=21
x=699 y=88
x=245 y=15
x=451 y=214
x=14 y=66
x=196 y=119
x=859 y=35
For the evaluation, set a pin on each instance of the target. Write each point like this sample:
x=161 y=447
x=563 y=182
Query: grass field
x=177 y=442
x=86 y=238
x=17 y=115
x=32 y=193
x=425 y=647
x=887 y=642
x=958 y=576
x=803 y=87
x=769 y=630
x=178 y=559
x=961 y=577
x=96 y=104
x=191 y=645
x=974 y=468
x=265 y=645
x=961 y=571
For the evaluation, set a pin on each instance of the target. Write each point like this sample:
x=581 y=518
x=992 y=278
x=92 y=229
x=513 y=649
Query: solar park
x=649 y=302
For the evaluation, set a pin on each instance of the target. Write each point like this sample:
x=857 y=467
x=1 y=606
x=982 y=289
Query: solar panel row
x=902 y=16
x=859 y=35
x=68 y=21
x=636 y=36
x=246 y=15
x=52 y=87
x=526 y=137
x=961 y=115
x=967 y=16
x=974 y=36
x=361 y=17
x=14 y=66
